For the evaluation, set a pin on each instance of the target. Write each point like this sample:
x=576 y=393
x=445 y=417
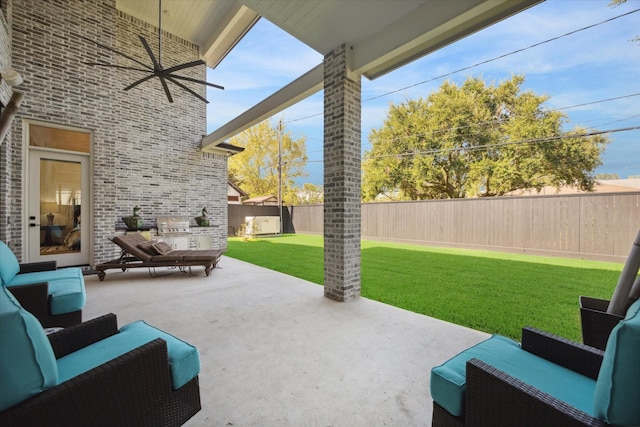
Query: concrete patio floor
x=275 y=352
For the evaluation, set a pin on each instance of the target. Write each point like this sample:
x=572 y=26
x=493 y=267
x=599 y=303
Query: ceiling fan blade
x=156 y=65
x=170 y=78
x=185 y=65
x=189 y=79
x=165 y=87
x=137 y=82
x=102 y=64
x=112 y=50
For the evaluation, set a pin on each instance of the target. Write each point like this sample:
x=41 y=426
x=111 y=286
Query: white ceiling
x=214 y=25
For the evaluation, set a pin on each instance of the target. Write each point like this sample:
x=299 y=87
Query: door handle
x=34 y=225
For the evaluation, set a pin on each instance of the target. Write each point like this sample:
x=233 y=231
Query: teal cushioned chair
x=93 y=374
x=55 y=296
x=545 y=381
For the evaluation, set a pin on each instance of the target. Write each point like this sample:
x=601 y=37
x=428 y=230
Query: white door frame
x=31 y=208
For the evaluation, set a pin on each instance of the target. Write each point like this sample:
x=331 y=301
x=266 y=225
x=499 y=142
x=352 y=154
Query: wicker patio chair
x=583 y=385
x=54 y=296
x=134 y=389
x=494 y=398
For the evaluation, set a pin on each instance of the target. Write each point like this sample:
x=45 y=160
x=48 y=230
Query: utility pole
x=280 y=130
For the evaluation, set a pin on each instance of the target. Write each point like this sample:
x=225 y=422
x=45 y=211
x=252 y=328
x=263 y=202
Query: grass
x=488 y=291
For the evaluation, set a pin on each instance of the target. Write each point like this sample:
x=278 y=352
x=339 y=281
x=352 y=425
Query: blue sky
x=591 y=65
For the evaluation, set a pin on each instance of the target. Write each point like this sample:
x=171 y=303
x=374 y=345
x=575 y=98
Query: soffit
x=214 y=25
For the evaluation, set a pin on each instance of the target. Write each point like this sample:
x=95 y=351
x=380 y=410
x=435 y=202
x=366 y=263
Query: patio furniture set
x=87 y=373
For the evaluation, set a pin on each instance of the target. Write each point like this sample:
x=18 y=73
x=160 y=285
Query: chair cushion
x=27 y=364
x=66 y=287
x=448 y=381
x=9 y=266
x=617 y=391
x=184 y=360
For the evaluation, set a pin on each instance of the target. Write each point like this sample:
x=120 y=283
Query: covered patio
x=274 y=351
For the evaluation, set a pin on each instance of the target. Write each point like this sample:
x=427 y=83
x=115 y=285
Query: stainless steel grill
x=173 y=226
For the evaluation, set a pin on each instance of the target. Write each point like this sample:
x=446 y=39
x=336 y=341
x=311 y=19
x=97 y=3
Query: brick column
x=341 y=178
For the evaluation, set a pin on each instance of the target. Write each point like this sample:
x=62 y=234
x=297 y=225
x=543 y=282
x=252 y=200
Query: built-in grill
x=173 y=226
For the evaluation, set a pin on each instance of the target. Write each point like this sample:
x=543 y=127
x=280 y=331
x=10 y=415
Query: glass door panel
x=58 y=189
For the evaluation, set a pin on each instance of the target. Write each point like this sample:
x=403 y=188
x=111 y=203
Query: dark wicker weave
x=131 y=390
x=495 y=399
x=36 y=300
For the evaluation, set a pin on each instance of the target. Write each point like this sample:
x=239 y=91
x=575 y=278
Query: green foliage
x=309 y=194
x=476 y=140
x=255 y=170
x=488 y=291
x=607 y=176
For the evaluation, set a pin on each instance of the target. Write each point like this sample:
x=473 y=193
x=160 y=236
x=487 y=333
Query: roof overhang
x=216 y=26
x=304 y=86
x=381 y=39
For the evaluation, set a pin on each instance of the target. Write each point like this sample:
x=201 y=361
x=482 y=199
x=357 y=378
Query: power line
x=502 y=144
x=598 y=102
x=434 y=132
x=502 y=56
x=499 y=144
x=487 y=61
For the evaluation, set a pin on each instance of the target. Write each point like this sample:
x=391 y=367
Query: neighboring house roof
x=262 y=200
x=633 y=183
x=602 y=186
x=237 y=189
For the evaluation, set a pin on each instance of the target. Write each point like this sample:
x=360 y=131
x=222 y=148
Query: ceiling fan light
x=11 y=76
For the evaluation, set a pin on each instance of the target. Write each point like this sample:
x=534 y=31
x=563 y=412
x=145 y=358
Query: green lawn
x=489 y=291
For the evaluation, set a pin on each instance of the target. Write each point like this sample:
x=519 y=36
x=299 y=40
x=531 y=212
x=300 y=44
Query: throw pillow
x=162 y=247
x=148 y=247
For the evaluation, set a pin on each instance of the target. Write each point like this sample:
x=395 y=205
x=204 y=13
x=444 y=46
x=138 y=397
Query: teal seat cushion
x=27 y=362
x=448 y=381
x=9 y=265
x=184 y=360
x=617 y=392
x=66 y=287
x=45 y=276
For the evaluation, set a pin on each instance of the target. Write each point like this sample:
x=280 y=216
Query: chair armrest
x=33 y=297
x=74 y=338
x=495 y=399
x=132 y=389
x=38 y=266
x=580 y=358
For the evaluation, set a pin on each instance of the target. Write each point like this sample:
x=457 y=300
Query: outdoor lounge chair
x=56 y=296
x=93 y=374
x=138 y=252
x=545 y=381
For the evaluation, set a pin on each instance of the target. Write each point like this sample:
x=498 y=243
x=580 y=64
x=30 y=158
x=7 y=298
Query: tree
x=255 y=170
x=616 y=3
x=607 y=176
x=309 y=194
x=476 y=140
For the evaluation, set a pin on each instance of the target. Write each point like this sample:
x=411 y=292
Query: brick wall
x=146 y=151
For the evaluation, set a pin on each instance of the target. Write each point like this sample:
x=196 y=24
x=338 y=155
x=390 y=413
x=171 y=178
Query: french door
x=58 y=207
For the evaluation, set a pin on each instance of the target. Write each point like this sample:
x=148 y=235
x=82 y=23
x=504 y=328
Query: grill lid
x=173 y=225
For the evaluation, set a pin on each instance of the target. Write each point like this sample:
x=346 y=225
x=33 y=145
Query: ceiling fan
x=163 y=74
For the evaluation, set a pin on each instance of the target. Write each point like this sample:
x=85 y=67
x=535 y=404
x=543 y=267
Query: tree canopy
x=255 y=170
x=476 y=140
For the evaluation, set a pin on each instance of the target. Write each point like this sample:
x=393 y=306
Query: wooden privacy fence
x=592 y=226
